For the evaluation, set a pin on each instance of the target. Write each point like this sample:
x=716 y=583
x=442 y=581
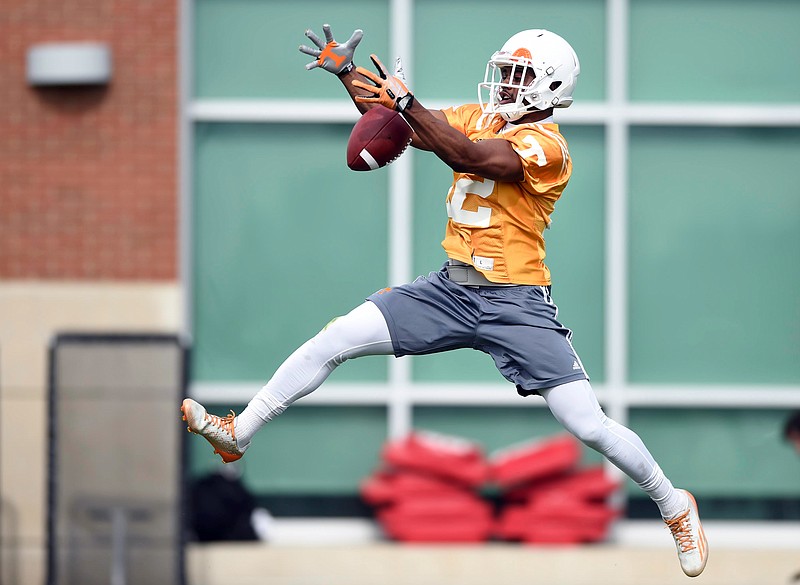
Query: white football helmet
x=554 y=65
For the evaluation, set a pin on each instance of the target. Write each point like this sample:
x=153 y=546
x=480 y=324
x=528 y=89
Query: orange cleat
x=217 y=430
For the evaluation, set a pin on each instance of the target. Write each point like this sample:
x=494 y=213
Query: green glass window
x=245 y=49
x=718 y=453
x=715 y=51
x=714 y=243
x=266 y=275
x=453 y=42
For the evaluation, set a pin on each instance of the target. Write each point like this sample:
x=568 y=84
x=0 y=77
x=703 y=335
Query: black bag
x=220 y=508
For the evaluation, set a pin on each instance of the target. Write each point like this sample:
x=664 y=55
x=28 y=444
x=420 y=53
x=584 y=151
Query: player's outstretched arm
x=492 y=159
x=387 y=90
x=336 y=58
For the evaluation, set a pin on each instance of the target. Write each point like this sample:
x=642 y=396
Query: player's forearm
x=347 y=80
x=491 y=159
x=436 y=135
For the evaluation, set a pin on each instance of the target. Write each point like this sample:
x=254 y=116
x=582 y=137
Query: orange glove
x=388 y=91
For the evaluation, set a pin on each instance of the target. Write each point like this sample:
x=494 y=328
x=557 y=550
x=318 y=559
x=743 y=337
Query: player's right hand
x=330 y=55
x=386 y=89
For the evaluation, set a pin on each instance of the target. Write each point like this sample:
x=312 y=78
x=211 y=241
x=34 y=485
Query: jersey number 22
x=455 y=203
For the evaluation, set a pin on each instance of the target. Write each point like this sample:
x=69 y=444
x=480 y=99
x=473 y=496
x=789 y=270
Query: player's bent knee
x=591 y=433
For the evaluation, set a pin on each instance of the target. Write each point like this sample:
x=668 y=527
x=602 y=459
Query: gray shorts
x=516 y=325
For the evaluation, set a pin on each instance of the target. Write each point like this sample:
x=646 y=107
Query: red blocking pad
x=556 y=522
x=444 y=456
x=428 y=490
x=591 y=483
x=440 y=509
x=534 y=460
x=465 y=519
x=566 y=509
x=559 y=533
x=390 y=486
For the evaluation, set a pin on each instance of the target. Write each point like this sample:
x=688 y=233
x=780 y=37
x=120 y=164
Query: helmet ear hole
x=555 y=85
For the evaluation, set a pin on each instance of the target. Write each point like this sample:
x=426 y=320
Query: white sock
x=669 y=500
x=249 y=421
x=363 y=331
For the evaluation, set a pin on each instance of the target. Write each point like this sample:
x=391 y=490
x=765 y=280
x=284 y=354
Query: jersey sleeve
x=463 y=118
x=545 y=160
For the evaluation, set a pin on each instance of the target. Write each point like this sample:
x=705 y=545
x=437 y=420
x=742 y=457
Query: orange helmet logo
x=523 y=52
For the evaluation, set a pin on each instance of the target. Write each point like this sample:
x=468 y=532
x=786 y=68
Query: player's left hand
x=330 y=55
x=389 y=90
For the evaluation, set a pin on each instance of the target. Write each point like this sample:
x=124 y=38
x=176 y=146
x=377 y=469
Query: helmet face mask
x=517 y=82
x=542 y=71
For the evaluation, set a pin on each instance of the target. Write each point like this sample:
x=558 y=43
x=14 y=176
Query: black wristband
x=346 y=69
x=405 y=102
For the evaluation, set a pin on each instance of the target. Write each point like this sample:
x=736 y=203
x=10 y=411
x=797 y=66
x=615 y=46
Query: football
x=379 y=137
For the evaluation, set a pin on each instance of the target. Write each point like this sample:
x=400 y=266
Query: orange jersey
x=497 y=227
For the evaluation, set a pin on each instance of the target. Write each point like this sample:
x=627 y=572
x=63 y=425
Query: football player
x=791 y=430
x=510 y=166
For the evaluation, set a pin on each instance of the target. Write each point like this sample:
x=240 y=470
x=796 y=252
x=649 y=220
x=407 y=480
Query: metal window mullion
x=400 y=224
x=309 y=111
x=616 y=240
x=491 y=394
x=616 y=235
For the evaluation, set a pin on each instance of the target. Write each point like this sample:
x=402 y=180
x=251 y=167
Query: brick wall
x=88 y=176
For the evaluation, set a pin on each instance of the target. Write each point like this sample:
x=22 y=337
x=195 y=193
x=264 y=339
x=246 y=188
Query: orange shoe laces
x=679 y=526
x=224 y=423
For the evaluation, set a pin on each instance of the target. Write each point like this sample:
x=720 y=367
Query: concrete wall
x=30 y=314
x=478 y=565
